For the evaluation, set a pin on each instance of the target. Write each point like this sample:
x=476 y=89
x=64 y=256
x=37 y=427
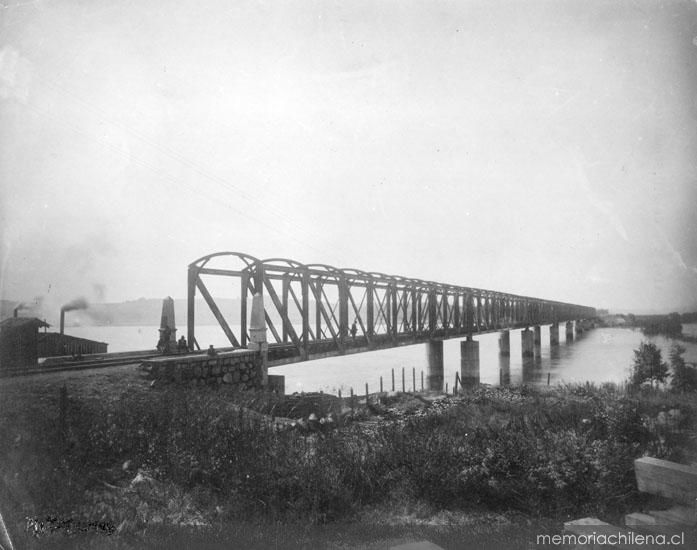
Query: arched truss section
x=315 y=310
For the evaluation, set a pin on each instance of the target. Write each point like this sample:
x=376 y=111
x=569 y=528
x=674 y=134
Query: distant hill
x=141 y=312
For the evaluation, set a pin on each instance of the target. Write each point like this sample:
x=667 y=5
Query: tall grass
x=555 y=453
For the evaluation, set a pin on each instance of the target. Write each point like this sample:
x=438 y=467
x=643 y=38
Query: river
x=599 y=355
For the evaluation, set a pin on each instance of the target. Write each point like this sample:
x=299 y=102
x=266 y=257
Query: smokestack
x=77 y=303
x=16 y=310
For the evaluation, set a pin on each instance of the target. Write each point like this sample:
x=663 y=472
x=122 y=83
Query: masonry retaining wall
x=240 y=369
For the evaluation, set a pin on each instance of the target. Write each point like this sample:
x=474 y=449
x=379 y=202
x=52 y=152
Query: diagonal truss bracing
x=317 y=310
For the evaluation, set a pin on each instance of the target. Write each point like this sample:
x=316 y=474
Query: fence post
x=446 y=388
x=413 y=379
x=455 y=385
x=367 y=401
x=392 y=379
x=404 y=389
x=422 y=380
x=549 y=374
x=352 y=404
x=381 y=384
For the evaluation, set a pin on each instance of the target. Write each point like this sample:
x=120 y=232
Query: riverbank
x=153 y=464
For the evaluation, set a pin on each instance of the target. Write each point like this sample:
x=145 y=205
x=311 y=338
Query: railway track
x=85 y=364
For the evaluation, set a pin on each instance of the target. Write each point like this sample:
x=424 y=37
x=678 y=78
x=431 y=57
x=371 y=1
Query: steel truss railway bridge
x=315 y=310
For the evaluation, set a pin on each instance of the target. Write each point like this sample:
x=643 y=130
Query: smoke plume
x=77 y=303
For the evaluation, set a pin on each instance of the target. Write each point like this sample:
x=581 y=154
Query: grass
x=213 y=458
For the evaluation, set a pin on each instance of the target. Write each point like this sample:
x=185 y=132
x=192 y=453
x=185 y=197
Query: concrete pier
x=554 y=335
x=537 y=338
x=434 y=355
x=569 y=331
x=469 y=362
x=505 y=343
x=504 y=370
x=527 y=343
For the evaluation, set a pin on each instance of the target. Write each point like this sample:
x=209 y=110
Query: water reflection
x=504 y=370
x=598 y=355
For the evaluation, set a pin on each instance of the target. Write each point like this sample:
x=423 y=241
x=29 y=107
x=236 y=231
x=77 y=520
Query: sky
x=541 y=148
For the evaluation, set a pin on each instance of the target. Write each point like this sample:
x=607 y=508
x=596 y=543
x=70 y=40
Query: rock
x=126 y=465
x=227 y=378
x=142 y=479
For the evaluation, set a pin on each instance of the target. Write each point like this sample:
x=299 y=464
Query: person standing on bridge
x=182 y=346
x=354 y=330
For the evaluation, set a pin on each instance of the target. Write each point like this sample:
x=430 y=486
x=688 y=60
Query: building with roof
x=19 y=338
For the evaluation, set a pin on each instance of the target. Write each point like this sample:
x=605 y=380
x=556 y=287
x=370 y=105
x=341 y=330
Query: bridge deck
x=286 y=353
x=309 y=311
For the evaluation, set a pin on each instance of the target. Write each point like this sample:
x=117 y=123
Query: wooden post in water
x=367 y=400
x=404 y=389
x=339 y=393
x=446 y=388
x=422 y=380
x=351 y=400
x=549 y=374
x=381 y=384
x=455 y=385
x=413 y=379
x=392 y=379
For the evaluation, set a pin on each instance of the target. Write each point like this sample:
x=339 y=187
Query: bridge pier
x=579 y=327
x=469 y=362
x=504 y=370
x=434 y=353
x=505 y=343
x=527 y=343
x=569 y=331
x=537 y=339
x=553 y=335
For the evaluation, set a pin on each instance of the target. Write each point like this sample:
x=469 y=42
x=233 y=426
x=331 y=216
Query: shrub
x=648 y=365
x=559 y=453
x=684 y=377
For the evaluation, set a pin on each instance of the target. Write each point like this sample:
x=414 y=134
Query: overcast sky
x=541 y=148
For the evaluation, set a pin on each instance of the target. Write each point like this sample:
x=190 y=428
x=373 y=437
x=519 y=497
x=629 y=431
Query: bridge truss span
x=317 y=310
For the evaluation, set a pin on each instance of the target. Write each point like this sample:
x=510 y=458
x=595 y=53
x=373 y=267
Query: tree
x=648 y=365
x=684 y=376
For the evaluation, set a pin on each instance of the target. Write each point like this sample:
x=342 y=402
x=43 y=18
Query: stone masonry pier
x=241 y=369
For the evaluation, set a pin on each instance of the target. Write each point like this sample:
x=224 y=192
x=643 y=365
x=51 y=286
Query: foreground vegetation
x=157 y=458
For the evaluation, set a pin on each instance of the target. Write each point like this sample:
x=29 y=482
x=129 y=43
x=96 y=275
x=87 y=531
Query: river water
x=599 y=355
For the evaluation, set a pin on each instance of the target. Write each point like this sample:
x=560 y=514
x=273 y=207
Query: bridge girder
x=308 y=307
